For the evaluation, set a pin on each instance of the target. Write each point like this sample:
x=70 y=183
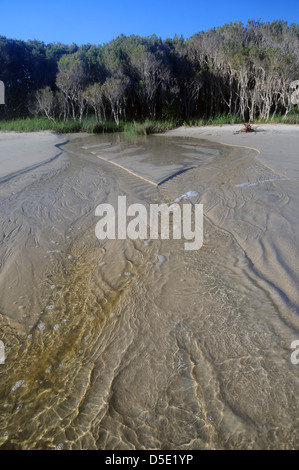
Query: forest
x=232 y=70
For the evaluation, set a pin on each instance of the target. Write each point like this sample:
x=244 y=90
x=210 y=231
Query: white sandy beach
x=131 y=344
x=23 y=150
x=277 y=143
x=19 y=151
x=271 y=209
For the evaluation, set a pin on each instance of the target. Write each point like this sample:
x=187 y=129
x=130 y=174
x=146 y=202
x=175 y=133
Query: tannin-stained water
x=122 y=344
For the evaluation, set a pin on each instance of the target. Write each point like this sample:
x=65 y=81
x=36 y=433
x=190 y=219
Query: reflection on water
x=126 y=344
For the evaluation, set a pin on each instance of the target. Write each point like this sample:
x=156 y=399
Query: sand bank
x=22 y=151
x=258 y=202
x=277 y=144
x=26 y=160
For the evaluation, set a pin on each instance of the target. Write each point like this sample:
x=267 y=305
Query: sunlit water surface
x=122 y=344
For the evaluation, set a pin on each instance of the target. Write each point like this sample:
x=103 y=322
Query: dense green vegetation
x=232 y=73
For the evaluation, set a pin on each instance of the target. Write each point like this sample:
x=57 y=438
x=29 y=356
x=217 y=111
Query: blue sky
x=99 y=21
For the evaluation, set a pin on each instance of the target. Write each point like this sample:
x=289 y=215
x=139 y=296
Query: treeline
x=236 y=69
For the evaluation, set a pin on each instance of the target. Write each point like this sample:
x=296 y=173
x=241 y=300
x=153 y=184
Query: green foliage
x=232 y=70
x=147 y=127
x=89 y=125
x=40 y=124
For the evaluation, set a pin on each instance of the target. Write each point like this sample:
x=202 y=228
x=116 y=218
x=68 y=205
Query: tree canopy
x=234 y=69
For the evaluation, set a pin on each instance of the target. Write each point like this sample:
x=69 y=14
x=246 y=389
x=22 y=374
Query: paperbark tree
x=95 y=98
x=71 y=80
x=114 y=90
x=233 y=69
x=45 y=103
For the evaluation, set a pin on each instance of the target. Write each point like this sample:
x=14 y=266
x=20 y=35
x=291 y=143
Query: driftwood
x=247 y=128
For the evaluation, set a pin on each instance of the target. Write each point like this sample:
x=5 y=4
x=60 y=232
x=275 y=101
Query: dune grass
x=89 y=125
x=92 y=126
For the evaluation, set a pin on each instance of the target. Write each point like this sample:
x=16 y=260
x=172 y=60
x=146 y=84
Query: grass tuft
x=147 y=127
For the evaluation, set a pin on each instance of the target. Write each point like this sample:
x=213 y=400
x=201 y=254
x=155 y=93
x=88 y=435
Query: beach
x=276 y=147
x=140 y=344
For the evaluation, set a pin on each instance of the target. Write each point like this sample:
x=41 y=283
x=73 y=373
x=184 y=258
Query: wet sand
x=268 y=236
x=122 y=344
x=26 y=151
